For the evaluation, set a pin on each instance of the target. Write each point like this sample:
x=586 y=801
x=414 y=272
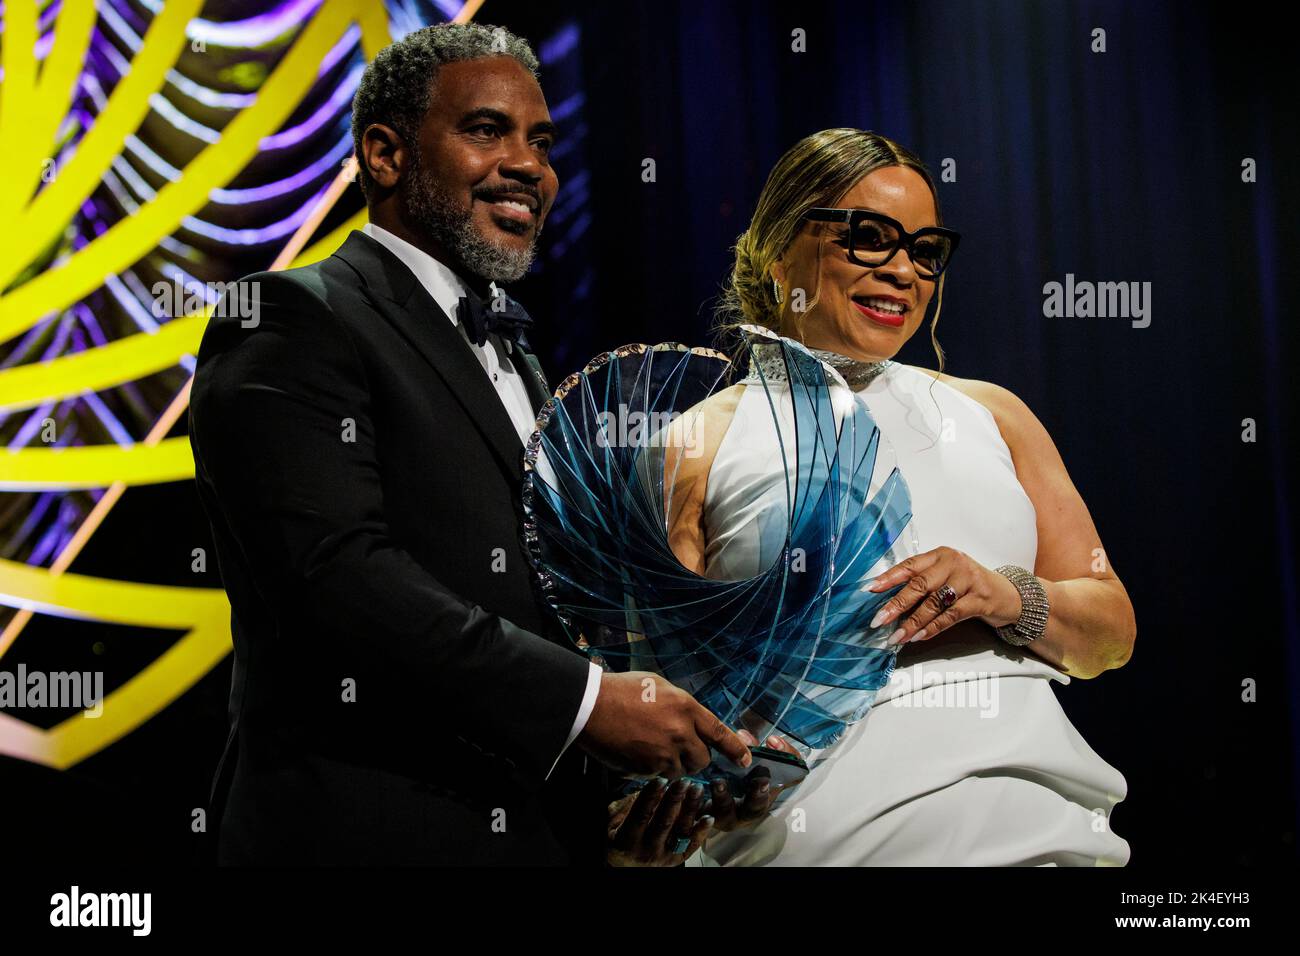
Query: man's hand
x=643 y=725
x=657 y=826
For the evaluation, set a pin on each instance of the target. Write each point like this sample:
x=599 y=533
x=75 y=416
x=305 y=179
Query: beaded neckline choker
x=767 y=359
x=856 y=374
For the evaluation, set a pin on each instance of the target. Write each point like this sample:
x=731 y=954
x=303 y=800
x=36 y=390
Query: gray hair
x=397 y=87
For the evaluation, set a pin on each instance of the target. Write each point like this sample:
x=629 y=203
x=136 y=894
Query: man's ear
x=385 y=154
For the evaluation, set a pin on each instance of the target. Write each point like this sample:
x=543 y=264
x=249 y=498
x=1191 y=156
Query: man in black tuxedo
x=399 y=695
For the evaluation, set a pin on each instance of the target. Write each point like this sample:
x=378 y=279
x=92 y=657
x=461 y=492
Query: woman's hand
x=657 y=826
x=976 y=592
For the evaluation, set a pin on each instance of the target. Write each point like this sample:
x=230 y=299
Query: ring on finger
x=947 y=597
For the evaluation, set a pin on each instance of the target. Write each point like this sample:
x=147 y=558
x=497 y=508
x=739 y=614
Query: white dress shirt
x=447 y=288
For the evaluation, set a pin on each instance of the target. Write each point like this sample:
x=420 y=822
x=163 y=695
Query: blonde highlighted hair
x=816 y=171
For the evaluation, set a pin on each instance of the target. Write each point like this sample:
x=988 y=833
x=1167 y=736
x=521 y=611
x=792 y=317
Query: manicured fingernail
x=874 y=583
x=720 y=787
x=896 y=636
x=918 y=635
x=707 y=820
x=764 y=786
x=774 y=741
x=880 y=617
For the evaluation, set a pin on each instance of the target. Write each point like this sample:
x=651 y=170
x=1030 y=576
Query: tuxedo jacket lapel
x=400 y=298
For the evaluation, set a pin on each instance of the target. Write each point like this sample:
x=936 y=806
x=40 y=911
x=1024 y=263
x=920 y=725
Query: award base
x=784 y=769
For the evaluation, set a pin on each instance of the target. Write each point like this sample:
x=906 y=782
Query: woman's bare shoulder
x=1005 y=406
x=1020 y=427
x=720 y=403
x=701 y=428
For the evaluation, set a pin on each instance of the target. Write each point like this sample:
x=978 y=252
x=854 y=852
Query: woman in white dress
x=966 y=757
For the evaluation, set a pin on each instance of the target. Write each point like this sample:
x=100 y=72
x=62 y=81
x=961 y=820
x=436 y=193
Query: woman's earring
x=776 y=291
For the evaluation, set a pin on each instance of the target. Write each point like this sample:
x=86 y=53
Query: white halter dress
x=966 y=757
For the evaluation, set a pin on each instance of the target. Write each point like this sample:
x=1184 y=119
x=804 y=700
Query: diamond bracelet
x=1033 y=607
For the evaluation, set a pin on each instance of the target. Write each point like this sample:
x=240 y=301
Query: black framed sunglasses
x=874 y=239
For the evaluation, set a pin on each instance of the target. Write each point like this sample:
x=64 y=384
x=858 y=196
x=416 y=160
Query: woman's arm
x=1091 y=627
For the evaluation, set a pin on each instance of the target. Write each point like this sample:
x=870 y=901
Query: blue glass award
x=787 y=647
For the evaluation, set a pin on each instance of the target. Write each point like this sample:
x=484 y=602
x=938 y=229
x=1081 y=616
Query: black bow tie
x=502 y=315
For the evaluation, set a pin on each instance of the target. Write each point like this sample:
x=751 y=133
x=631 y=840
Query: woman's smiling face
x=852 y=313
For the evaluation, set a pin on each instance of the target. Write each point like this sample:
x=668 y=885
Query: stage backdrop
x=154 y=150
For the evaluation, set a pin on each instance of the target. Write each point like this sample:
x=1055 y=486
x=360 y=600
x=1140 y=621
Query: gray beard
x=436 y=214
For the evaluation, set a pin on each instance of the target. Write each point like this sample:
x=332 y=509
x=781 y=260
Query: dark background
x=1115 y=166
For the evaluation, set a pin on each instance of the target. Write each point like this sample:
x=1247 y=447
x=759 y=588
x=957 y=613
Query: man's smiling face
x=480 y=182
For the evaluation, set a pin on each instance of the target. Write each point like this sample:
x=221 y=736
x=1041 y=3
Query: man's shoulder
x=326 y=292
x=306 y=308
x=320 y=280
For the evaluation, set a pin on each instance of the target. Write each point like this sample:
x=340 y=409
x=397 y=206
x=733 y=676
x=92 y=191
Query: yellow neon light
x=29 y=117
x=107 y=366
x=35 y=118
x=127 y=107
x=132 y=238
x=203 y=612
x=95 y=466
